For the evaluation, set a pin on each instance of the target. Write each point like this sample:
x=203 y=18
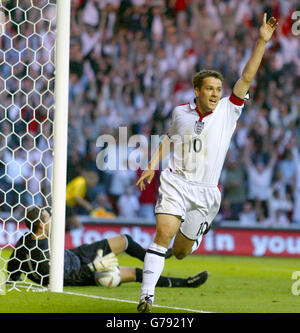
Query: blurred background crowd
x=131 y=63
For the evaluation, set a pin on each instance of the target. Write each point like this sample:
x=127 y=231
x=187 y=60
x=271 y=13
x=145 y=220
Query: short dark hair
x=204 y=73
x=33 y=217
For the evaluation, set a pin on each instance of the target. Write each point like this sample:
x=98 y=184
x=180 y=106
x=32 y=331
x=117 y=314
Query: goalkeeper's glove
x=105 y=263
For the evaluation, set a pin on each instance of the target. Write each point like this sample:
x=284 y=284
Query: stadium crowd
x=132 y=61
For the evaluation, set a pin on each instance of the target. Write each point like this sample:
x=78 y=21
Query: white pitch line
x=132 y=302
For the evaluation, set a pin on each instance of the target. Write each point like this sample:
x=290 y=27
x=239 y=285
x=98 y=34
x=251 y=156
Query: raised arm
x=266 y=31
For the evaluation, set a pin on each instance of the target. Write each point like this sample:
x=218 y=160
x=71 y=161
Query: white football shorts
x=196 y=204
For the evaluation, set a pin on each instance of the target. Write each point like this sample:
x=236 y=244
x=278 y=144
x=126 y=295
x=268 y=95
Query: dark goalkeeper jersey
x=32 y=256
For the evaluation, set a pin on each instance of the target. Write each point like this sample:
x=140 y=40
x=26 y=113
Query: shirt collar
x=193 y=107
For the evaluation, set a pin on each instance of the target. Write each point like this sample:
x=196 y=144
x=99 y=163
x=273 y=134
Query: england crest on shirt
x=198 y=128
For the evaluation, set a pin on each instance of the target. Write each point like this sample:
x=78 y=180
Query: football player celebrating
x=201 y=132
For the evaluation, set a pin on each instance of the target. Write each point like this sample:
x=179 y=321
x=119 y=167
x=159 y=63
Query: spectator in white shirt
x=277 y=203
x=248 y=214
x=128 y=204
x=259 y=179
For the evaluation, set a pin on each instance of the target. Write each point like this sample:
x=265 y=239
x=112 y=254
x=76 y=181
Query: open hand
x=267 y=28
x=146 y=174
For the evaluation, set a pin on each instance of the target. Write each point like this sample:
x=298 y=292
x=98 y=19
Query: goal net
x=28 y=32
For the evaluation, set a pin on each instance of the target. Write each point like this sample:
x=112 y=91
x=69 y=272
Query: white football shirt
x=201 y=142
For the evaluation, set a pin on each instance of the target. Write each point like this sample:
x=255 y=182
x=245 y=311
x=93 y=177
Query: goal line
x=112 y=299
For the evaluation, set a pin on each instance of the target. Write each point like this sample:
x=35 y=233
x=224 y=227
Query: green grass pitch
x=235 y=285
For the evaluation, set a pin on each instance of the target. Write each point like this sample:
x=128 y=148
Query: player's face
x=209 y=95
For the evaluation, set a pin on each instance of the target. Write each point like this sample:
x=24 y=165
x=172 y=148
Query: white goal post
x=34 y=87
x=57 y=237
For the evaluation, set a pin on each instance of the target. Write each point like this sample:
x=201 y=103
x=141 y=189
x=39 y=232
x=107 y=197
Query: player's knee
x=163 y=234
x=163 y=237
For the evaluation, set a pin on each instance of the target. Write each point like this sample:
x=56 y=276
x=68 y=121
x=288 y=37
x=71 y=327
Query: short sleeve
x=236 y=105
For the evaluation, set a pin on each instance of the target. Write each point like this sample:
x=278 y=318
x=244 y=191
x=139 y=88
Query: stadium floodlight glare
x=34 y=84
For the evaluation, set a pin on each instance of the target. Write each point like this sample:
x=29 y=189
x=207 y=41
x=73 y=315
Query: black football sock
x=134 y=249
x=163 y=281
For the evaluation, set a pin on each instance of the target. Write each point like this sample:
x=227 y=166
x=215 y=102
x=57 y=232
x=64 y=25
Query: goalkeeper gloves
x=105 y=263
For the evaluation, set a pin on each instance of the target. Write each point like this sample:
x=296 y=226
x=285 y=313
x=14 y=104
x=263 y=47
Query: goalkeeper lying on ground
x=31 y=256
